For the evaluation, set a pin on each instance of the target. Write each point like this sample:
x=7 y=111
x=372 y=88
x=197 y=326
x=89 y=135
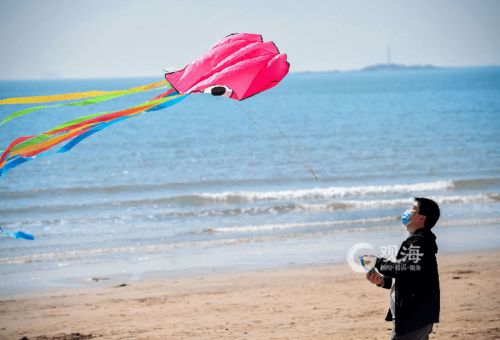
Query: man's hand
x=374 y=277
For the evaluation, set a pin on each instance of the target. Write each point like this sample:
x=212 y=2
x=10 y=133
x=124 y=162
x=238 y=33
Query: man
x=413 y=278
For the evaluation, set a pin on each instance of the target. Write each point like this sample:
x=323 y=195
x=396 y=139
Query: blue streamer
x=16 y=234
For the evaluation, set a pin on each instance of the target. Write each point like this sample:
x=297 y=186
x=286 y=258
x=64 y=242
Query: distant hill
x=377 y=67
x=397 y=67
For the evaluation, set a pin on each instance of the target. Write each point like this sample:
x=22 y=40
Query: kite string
x=294 y=145
x=250 y=113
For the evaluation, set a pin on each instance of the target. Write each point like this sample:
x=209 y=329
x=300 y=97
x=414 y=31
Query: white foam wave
x=325 y=193
x=350 y=204
x=316 y=224
x=94 y=252
x=452 y=199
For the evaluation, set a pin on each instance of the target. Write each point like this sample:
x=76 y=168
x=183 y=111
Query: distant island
x=379 y=67
x=397 y=67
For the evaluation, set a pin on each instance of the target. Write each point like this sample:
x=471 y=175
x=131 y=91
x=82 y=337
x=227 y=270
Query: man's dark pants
x=418 y=334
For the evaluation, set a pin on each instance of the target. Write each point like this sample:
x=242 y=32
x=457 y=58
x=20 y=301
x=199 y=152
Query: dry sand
x=314 y=302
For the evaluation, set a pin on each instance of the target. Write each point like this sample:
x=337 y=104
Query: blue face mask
x=405 y=219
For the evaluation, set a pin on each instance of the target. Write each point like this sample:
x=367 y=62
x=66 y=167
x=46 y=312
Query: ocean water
x=213 y=184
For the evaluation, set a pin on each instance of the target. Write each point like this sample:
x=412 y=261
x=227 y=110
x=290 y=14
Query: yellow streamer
x=73 y=96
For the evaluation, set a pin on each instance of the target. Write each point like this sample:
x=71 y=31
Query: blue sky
x=111 y=38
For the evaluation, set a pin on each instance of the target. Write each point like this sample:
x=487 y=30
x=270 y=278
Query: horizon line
x=423 y=66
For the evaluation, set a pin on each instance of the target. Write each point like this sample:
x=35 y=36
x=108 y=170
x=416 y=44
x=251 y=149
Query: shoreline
x=300 y=252
x=322 y=301
x=98 y=282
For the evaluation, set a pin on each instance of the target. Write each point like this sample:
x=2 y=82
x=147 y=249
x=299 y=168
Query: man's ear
x=422 y=218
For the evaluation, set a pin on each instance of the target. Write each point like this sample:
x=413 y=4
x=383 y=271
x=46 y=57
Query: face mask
x=405 y=219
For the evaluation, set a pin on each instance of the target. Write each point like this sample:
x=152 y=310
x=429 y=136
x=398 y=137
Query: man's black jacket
x=416 y=282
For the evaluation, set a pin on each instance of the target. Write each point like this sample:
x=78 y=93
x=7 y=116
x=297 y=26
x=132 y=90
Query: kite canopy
x=239 y=66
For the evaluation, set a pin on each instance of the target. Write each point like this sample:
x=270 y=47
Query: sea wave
x=325 y=193
x=253 y=196
x=476 y=183
x=143 y=188
x=276 y=208
x=282 y=226
x=344 y=224
x=143 y=249
x=333 y=191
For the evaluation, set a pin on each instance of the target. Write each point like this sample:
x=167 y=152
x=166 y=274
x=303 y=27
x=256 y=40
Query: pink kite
x=238 y=67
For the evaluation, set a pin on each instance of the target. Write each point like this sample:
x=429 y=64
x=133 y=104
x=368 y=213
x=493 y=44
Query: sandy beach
x=313 y=302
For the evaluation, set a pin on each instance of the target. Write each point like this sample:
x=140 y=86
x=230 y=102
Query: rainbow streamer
x=73 y=132
x=94 y=97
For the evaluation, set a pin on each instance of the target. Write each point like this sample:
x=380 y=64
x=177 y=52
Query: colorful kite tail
x=73 y=132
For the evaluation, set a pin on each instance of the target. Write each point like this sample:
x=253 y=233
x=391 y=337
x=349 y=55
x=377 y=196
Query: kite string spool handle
x=368 y=262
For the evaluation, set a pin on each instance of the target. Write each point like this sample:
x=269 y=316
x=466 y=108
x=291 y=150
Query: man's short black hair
x=430 y=210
